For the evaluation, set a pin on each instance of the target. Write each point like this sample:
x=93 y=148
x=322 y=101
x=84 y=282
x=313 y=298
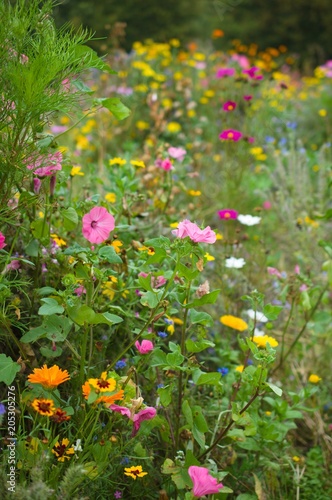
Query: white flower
x=234 y=263
x=258 y=333
x=248 y=220
x=259 y=316
x=77 y=446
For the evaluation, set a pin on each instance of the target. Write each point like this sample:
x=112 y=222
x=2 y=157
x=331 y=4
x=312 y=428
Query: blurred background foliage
x=302 y=25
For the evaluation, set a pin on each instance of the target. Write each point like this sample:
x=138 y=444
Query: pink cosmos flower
x=2 y=241
x=204 y=483
x=187 y=228
x=146 y=414
x=229 y=106
x=45 y=166
x=222 y=72
x=144 y=347
x=230 y=135
x=243 y=61
x=97 y=225
x=251 y=72
x=228 y=213
x=247 y=97
x=177 y=153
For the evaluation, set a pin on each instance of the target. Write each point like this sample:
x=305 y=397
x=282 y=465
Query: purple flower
x=228 y=213
x=2 y=409
x=118 y=494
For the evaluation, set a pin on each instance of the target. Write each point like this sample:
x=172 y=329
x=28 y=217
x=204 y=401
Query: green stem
x=285 y=331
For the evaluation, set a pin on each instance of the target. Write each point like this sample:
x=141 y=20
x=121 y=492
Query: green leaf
x=107 y=318
x=158 y=358
x=46 y=290
x=272 y=312
x=49 y=353
x=32 y=249
x=115 y=106
x=150 y=299
x=275 y=388
x=187 y=272
x=165 y=394
x=33 y=335
x=174 y=359
x=198 y=345
x=161 y=242
x=90 y=57
x=199 y=419
x=209 y=298
x=108 y=253
x=40 y=229
x=70 y=218
x=49 y=307
x=186 y=410
x=81 y=315
x=8 y=369
x=79 y=85
x=211 y=378
x=202 y=318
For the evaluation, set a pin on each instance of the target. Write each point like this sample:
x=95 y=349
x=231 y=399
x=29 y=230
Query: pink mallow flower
x=177 y=153
x=228 y=213
x=2 y=241
x=45 y=166
x=144 y=347
x=274 y=272
x=230 y=135
x=222 y=72
x=146 y=414
x=229 y=106
x=187 y=228
x=97 y=225
x=204 y=483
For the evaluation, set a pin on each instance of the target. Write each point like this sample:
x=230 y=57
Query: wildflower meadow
x=165 y=268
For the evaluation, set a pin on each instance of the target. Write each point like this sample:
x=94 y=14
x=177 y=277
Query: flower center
x=46 y=407
x=60 y=450
x=227 y=215
x=103 y=384
x=230 y=135
x=93 y=224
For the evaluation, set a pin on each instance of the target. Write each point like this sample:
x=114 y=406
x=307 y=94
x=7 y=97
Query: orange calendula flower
x=49 y=378
x=134 y=472
x=234 y=322
x=261 y=341
x=62 y=450
x=44 y=406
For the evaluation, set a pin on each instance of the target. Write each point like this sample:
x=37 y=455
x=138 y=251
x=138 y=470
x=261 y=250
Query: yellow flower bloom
x=264 y=339
x=204 y=100
x=141 y=88
x=64 y=120
x=239 y=368
x=110 y=197
x=104 y=386
x=59 y=241
x=174 y=42
x=117 y=161
x=44 y=406
x=76 y=171
x=209 y=257
x=177 y=75
x=150 y=250
x=141 y=125
x=268 y=413
x=173 y=127
x=296 y=458
x=62 y=450
x=117 y=244
x=322 y=112
x=234 y=322
x=192 y=192
x=138 y=163
x=49 y=378
x=134 y=472
x=174 y=224
x=191 y=113
x=314 y=379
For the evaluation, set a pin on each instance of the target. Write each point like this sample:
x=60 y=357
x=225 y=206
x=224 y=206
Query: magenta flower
x=251 y=72
x=2 y=241
x=204 y=483
x=97 y=225
x=230 y=135
x=177 y=153
x=45 y=166
x=229 y=106
x=164 y=164
x=80 y=290
x=247 y=97
x=144 y=347
x=36 y=185
x=146 y=414
x=228 y=213
x=222 y=72
x=187 y=228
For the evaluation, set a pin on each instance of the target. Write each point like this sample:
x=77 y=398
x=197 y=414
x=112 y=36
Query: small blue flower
x=269 y=139
x=120 y=364
x=223 y=370
x=250 y=362
x=2 y=409
x=291 y=125
x=162 y=335
x=168 y=321
x=160 y=386
x=125 y=461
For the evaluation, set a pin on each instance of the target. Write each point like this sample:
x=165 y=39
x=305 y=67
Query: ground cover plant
x=166 y=269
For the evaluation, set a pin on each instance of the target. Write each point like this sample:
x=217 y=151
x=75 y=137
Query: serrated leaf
x=8 y=369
